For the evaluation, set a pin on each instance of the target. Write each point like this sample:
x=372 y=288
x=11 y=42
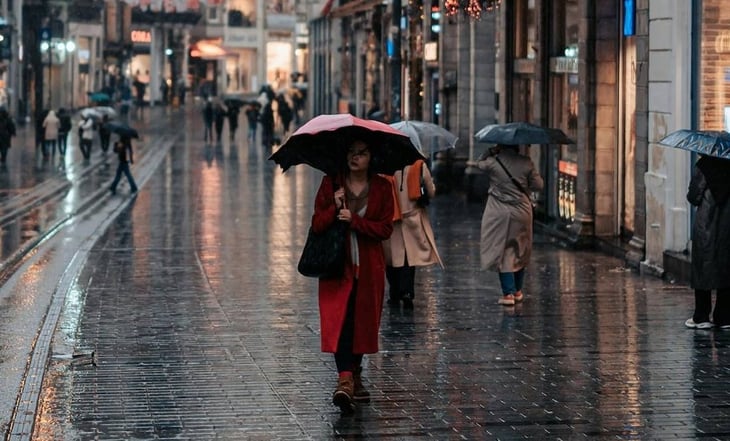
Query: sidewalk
x=202 y=329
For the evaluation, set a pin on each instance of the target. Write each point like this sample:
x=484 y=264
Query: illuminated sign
x=141 y=37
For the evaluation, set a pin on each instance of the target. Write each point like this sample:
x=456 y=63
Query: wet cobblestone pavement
x=202 y=329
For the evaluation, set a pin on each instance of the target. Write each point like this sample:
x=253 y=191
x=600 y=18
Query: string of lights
x=471 y=8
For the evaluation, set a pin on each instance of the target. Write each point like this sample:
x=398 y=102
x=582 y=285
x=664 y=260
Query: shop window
x=242 y=13
x=714 y=75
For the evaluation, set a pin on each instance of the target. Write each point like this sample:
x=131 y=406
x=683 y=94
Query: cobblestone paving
x=203 y=329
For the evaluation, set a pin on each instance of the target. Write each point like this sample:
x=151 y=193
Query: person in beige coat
x=506 y=236
x=412 y=243
x=51 y=125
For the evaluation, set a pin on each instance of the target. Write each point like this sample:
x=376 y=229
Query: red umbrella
x=323 y=142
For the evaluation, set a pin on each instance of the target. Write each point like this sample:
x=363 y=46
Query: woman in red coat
x=350 y=307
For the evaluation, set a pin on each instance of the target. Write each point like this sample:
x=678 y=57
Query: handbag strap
x=515 y=181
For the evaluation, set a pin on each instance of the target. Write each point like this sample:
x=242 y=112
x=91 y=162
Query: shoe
x=342 y=397
x=508 y=300
x=519 y=297
x=359 y=393
x=690 y=323
x=408 y=301
x=113 y=191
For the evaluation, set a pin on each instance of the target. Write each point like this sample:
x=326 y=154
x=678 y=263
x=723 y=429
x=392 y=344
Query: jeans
x=123 y=167
x=512 y=282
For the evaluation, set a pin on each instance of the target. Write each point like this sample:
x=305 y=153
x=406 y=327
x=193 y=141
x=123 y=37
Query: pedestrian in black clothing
x=208 y=115
x=104 y=134
x=7 y=131
x=64 y=130
x=709 y=191
x=233 y=112
x=219 y=115
x=285 y=112
x=267 y=126
x=252 y=117
x=123 y=149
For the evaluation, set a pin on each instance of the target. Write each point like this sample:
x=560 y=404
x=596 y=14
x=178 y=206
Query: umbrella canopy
x=323 y=142
x=91 y=112
x=704 y=142
x=106 y=110
x=518 y=133
x=99 y=97
x=428 y=137
x=122 y=129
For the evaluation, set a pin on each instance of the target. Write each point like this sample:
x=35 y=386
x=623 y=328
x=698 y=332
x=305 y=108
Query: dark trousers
x=62 y=143
x=85 y=146
x=703 y=306
x=401 y=280
x=208 y=135
x=123 y=167
x=104 y=138
x=345 y=359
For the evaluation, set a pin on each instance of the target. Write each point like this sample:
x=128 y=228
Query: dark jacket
x=711 y=228
x=7 y=129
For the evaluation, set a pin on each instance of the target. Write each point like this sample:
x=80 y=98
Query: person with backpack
x=7 y=132
x=412 y=243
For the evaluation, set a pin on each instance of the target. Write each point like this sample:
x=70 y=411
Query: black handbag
x=323 y=255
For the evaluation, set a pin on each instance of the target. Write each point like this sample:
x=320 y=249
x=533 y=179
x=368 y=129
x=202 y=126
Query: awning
x=354 y=7
x=207 y=50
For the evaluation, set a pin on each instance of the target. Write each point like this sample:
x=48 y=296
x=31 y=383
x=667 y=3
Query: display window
x=714 y=67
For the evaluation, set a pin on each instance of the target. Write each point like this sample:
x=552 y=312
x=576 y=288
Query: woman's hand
x=340 y=198
x=344 y=215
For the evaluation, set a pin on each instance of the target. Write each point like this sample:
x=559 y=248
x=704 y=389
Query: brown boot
x=360 y=394
x=342 y=397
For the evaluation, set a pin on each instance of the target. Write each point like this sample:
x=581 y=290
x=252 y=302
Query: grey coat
x=506 y=236
x=710 y=237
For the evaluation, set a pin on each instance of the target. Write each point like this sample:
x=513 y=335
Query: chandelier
x=471 y=8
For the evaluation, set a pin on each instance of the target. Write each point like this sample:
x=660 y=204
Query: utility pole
x=395 y=63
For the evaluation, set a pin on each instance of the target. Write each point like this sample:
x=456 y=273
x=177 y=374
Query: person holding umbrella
x=506 y=231
x=123 y=149
x=350 y=306
x=709 y=191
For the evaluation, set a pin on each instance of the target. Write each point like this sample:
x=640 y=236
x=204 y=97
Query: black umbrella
x=122 y=129
x=519 y=133
x=704 y=142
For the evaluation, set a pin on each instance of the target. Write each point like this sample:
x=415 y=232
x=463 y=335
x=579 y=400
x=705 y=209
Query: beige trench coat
x=412 y=235
x=506 y=236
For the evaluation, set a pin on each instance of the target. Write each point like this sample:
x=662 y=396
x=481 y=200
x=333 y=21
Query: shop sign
x=141 y=37
x=241 y=38
x=567 y=185
x=431 y=51
x=563 y=65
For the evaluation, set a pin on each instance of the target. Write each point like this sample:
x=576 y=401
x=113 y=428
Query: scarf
x=717 y=175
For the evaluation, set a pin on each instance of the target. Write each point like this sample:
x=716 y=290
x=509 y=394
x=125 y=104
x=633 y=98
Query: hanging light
x=471 y=8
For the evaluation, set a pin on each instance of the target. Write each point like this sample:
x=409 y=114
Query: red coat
x=372 y=229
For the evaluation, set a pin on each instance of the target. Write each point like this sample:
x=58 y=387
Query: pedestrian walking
x=252 y=117
x=219 y=116
x=412 y=243
x=267 y=125
x=709 y=191
x=350 y=306
x=65 y=117
x=51 y=128
x=285 y=113
x=208 y=115
x=7 y=132
x=86 y=130
x=123 y=149
x=104 y=133
x=233 y=112
x=506 y=231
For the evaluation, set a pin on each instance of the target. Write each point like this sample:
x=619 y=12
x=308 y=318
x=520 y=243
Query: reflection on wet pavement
x=203 y=330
